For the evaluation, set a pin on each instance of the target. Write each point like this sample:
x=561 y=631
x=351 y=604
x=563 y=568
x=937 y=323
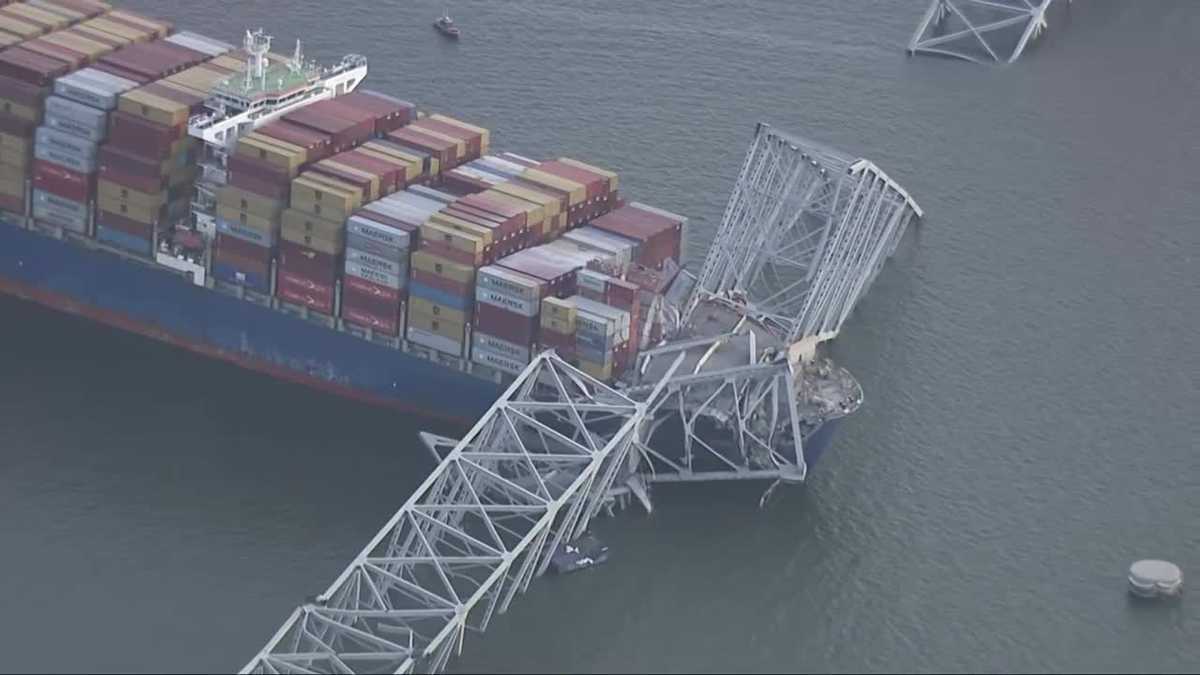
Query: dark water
x=1030 y=359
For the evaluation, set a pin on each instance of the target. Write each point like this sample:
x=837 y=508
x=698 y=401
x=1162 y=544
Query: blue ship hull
x=152 y=301
x=158 y=303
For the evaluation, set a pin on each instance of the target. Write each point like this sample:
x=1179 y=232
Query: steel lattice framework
x=805 y=231
x=529 y=476
x=980 y=30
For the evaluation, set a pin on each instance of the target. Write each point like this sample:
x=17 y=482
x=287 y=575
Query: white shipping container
x=374 y=262
x=511 y=350
x=377 y=231
x=375 y=276
x=434 y=194
x=434 y=341
x=592 y=280
x=497 y=361
x=510 y=282
x=507 y=302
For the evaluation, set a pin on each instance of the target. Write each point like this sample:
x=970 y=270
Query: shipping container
x=30 y=67
x=75 y=118
x=658 y=232
x=389 y=113
x=432 y=339
x=123 y=240
x=126 y=225
x=509 y=325
x=512 y=350
x=356 y=268
x=369 y=289
x=494 y=359
x=308 y=262
x=365 y=224
x=430 y=296
x=263 y=236
x=62 y=181
x=316 y=145
x=254 y=280
x=287 y=156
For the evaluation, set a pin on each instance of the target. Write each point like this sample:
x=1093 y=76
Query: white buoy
x=1155 y=578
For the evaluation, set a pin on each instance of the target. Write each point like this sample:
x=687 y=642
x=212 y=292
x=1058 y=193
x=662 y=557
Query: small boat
x=585 y=552
x=445 y=26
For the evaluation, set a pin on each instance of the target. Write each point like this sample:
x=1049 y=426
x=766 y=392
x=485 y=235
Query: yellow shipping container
x=127 y=194
x=442 y=267
x=576 y=192
x=611 y=176
x=76 y=42
x=12 y=184
x=535 y=213
x=460 y=146
x=91 y=30
x=121 y=30
x=157 y=109
x=461 y=241
x=38 y=15
x=602 y=372
x=559 y=308
x=327 y=246
x=485 y=135
x=22 y=29
x=429 y=308
x=228 y=62
x=143 y=213
x=306 y=223
x=454 y=330
x=155 y=28
x=277 y=153
x=254 y=204
x=549 y=204
x=558 y=325
x=372 y=179
x=8 y=39
x=466 y=227
x=18 y=159
x=257 y=223
x=27 y=113
x=411 y=163
x=326 y=197
x=71 y=15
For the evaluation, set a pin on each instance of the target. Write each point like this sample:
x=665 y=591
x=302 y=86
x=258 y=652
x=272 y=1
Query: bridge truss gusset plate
x=527 y=477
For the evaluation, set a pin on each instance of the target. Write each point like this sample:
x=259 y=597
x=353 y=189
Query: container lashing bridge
x=731 y=394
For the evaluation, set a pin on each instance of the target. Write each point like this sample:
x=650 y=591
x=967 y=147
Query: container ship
x=271 y=212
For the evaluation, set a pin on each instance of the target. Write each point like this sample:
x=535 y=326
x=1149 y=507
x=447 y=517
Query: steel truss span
x=529 y=476
x=983 y=31
x=724 y=397
x=805 y=231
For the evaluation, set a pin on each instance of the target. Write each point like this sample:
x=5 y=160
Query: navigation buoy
x=1155 y=578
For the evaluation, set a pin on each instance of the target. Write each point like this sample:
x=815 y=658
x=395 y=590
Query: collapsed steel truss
x=980 y=30
x=529 y=476
x=804 y=234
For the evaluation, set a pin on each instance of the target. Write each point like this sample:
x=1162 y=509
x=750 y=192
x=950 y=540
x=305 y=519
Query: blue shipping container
x=230 y=273
x=122 y=240
x=438 y=296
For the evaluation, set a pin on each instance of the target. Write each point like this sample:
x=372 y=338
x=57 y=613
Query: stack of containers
x=557 y=327
x=598 y=286
x=64 y=154
x=507 y=303
x=148 y=165
x=601 y=332
x=599 y=186
x=313 y=237
x=469 y=141
x=75 y=123
x=658 y=233
x=249 y=207
x=379 y=242
x=346 y=124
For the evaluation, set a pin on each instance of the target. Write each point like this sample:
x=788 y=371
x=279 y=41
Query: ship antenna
x=297 y=58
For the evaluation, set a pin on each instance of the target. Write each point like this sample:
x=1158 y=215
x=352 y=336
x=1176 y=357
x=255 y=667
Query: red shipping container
x=472 y=140
x=122 y=72
x=596 y=184
x=246 y=249
x=31 y=67
x=390 y=175
x=444 y=150
x=300 y=291
x=22 y=93
x=306 y=262
x=451 y=286
x=361 y=182
x=142 y=136
x=389 y=324
x=450 y=253
x=461 y=184
x=318 y=145
x=389 y=113
x=71 y=57
x=125 y=224
x=240 y=165
x=504 y=324
x=266 y=188
x=370 y=289
x=11 y=203
x=368 y=304
x=130 y=161
x=243 y=263
x=61 y=181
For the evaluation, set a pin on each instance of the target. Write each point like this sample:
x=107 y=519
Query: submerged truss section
x=529 y=476
x=984 y=31
x=805 y=231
